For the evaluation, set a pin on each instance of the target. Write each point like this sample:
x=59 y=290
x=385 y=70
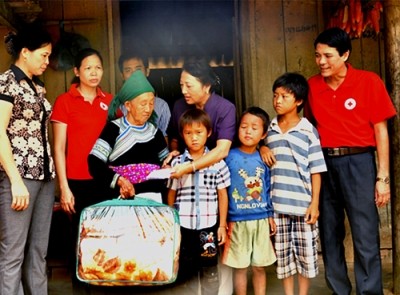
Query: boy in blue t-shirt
x=295 y=183
x=250 y=211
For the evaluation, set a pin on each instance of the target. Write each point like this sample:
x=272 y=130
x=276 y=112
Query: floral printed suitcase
x=128 y=242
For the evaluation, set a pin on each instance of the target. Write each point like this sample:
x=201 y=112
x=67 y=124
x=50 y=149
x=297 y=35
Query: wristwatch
x=385 y=179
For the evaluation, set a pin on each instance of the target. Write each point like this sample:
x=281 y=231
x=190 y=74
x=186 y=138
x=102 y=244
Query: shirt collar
x=20 y=75
x=188 y=157
x=75 y=92
x=209 y=102
x=300 y=126
x=350 y=72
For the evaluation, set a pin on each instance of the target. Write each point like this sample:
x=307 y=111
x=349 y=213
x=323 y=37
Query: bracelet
x=193 y=167
x=385 y=179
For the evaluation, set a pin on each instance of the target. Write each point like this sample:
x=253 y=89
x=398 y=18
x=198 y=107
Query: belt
x=343 y=151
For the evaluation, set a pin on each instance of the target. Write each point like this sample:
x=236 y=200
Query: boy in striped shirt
x=295 y=183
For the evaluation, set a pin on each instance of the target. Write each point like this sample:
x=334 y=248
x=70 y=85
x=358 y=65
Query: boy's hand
x=272 y=226
x=267 y=156
x=221 y=235
x=312 y=214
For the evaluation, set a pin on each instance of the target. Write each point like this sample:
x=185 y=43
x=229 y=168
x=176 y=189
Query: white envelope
x=160 y=174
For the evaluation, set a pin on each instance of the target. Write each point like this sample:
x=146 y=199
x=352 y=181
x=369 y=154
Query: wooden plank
x=392 y=42
x=5 y=58
x=370 y=54
x=90 y=19
x=246 y=30
x=355 y=56
x=55 y=81
x=262 y=51
x=95 y=32
x=111 y=49
x=7 y=17
x=300 y=29
x=239 y=95
x=117 y=45
x=270 y=58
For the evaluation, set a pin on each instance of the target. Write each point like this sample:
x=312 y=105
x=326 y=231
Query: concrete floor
x=60 y=284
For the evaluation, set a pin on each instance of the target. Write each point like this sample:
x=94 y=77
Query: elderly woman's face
x=193 y=90
x=140 y=108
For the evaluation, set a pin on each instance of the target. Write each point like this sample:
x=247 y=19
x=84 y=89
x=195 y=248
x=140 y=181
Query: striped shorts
x=296 y=244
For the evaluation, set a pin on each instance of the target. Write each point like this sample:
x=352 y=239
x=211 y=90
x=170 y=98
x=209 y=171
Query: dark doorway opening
x=167 y=32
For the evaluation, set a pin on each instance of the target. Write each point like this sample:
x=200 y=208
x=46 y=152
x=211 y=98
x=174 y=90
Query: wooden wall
x=270 y=38
x=278 y=36
x=98 y=21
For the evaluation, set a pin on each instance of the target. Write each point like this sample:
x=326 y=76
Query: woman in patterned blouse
x=26 y=166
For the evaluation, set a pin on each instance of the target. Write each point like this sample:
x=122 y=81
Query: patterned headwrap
x=136 y=85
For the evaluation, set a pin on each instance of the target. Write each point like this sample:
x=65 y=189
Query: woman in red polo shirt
x=78 y=117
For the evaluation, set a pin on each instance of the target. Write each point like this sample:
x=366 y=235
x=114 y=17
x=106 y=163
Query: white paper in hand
x=160 y=174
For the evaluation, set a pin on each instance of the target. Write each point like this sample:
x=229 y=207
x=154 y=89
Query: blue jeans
x=349 y=186
x=24 y=238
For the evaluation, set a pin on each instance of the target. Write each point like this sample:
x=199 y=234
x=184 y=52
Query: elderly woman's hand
x=126 y=188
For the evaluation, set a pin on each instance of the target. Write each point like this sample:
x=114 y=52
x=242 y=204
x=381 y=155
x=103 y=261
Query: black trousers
x=86 y=193
x=199 y=257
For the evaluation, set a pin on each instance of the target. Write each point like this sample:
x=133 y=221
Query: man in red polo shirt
x=350 y=109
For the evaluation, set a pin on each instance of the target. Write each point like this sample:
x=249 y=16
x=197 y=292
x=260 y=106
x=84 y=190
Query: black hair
x=194 y=116
x=31 y=36
x=200 y=68
x=84 y=53
x=336 y=38
x=131 y=55
x=80 y=56
x=294 y=83
x=258 y=112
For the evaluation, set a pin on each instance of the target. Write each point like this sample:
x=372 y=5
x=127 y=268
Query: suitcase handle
x=137 y=201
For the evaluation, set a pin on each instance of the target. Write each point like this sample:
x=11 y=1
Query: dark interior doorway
x=167 y=32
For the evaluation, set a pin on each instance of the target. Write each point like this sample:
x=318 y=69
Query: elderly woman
x=131 y=145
